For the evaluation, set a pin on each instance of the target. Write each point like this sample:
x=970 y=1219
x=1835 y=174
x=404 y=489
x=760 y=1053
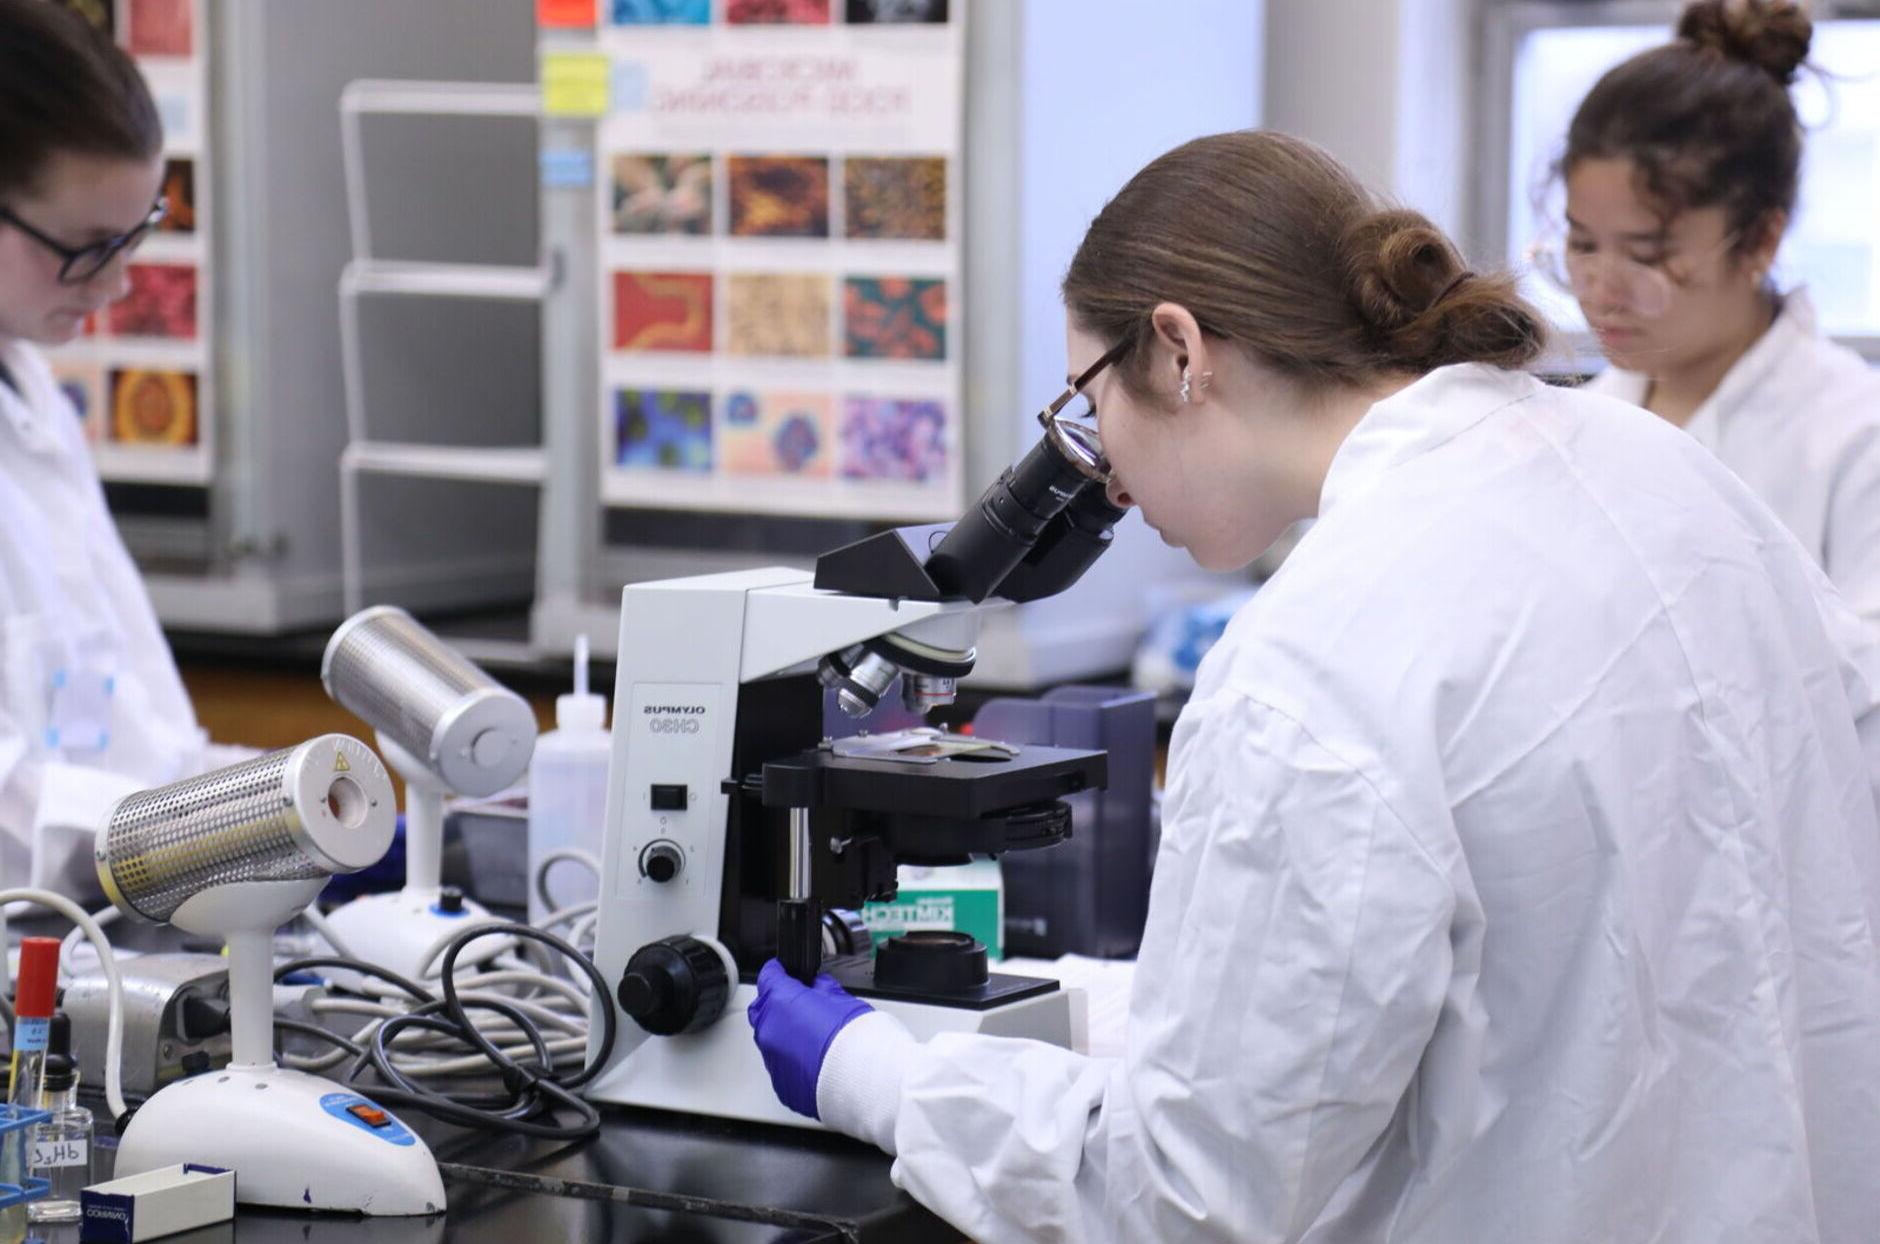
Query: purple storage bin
x=1090 y=894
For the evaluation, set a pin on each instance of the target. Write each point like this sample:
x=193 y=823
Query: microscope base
x=719 y=1072
x=396 y=931
x=290 y=1140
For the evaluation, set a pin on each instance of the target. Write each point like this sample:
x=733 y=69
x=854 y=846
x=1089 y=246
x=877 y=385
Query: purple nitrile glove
x=794 y=1024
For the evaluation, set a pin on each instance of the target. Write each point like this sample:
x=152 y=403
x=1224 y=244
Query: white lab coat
x=1798 y=418
x=91 y=705
x=1516 y=884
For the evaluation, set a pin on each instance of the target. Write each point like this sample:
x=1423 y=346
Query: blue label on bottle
x=31 y=1034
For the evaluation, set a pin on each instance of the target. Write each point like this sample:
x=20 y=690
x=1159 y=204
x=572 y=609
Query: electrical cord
x=581 y=917
x=416 y=1053
x=314 y=1030
x=525 y=1061
x=69 y=945
x=527 y=974
x=436 y=949
x=114 y=987
x=550 y=859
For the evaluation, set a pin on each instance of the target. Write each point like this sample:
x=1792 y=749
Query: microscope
x=737 y=831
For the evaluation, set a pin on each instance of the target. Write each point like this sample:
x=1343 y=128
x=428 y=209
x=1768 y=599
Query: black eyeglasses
x=85 y=262
x=1071 y=419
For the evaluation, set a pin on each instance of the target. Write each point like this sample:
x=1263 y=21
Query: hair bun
x=1773 y=35
x=1422 y=308
x=1397 y=264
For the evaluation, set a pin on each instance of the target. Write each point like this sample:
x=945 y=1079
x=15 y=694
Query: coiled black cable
x=528 y=1091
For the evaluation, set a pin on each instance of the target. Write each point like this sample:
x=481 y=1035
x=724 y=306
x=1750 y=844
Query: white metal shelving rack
x=369 y=276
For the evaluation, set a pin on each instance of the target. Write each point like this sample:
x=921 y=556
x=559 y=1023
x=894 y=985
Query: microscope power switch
x=668 y=797
x=661 y=861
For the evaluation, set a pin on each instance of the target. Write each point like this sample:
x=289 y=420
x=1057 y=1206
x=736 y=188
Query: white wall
x=1331 y=76
x=1109 y=85
x=1385 y=86
x=1099 y=88
x=1436 y=74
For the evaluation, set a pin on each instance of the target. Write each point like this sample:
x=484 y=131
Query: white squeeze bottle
x=568 y=791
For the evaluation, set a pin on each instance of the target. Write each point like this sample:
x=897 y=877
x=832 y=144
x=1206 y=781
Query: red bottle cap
x=39 y=977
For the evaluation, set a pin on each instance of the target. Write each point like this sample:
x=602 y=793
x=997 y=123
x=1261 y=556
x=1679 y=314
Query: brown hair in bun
x=1772 y=35
x=1706 y=119
x=1274 y=246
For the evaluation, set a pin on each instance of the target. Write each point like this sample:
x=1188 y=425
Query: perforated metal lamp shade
x=471 y=731
x=323 y=807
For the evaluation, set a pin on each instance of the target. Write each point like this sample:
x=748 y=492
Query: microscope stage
x=960 y=787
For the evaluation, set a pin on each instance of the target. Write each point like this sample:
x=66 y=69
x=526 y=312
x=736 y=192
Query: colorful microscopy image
x=83 y=385
x=100 y=14
x=885 y=11
x=663 y=311
x=895 y=317
x=777 y=434
x=161 y=303
x=777 y=12
x=663 y=429
x=779 y=196
x=782 y=314
x=153 y=407
x=893 y=438
x=161 y=27
x=663 y=194
x=662 y=12
x=895 y=198
x=179 y=195
x=564 y=14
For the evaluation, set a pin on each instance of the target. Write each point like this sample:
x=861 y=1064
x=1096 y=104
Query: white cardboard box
x=157 y=1203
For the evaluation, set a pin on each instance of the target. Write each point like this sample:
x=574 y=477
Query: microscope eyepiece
x=1003 y=526
x=1067 y=548
x=1031 y=534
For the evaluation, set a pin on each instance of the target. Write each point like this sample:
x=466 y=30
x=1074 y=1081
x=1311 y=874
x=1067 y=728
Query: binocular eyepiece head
x=1032 y=534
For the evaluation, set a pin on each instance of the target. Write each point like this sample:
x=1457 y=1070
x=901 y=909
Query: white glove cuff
x=859 y=1089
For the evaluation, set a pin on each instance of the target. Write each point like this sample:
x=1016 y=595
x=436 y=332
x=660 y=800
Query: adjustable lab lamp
x=445 y=726
x=234 y=854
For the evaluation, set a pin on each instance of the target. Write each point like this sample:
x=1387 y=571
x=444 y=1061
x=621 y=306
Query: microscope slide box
x=962 y=898
x=157 y=1203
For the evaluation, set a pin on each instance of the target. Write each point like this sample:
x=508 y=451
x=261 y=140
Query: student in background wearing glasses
x=91 y=706
x=1515 y=871
x=1681 y=168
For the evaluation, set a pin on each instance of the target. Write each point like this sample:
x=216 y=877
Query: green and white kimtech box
x=967 y=898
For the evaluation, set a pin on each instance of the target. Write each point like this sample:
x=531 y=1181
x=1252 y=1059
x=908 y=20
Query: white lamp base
x=396 y=931
x=290 y=1140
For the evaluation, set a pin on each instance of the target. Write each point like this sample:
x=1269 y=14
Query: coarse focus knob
x=674 y=985
x=661 y=861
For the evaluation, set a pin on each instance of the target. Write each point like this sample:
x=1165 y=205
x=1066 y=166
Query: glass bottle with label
x=32 y=1026
x=61 y=1146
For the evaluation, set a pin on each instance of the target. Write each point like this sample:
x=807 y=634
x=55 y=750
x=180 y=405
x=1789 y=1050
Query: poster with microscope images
x=779 y=206
x=139 y=375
